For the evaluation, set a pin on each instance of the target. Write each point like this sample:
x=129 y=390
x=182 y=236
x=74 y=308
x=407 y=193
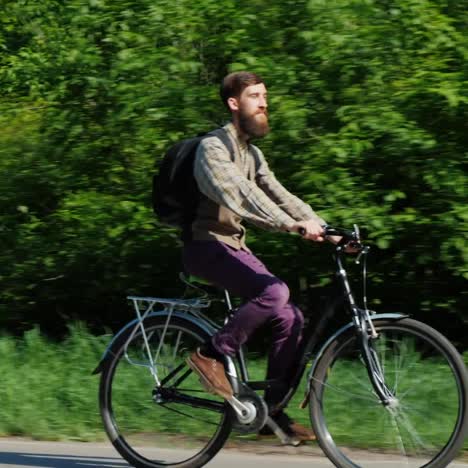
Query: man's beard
x=255 y=126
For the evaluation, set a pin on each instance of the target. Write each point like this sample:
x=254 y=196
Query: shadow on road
x=46 y=460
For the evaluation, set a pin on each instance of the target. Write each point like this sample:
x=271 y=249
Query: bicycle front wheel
x=174 y=424
x=426 y=423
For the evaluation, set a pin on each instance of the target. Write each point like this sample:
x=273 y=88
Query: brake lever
x=358 y=258
x=365 y=249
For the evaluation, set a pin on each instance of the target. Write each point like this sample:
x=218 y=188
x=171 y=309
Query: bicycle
x=377 y=368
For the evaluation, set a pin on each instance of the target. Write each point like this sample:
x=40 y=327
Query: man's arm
x=221 y=180
x=288 y=202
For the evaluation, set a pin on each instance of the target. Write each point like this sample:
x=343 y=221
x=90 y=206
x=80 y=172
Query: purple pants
x=242 y=274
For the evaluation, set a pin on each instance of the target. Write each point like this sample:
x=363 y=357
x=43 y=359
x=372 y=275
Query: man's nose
x=262 y=103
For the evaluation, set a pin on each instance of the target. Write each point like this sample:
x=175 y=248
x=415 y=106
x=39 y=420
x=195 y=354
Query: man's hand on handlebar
x=313 y=230
x=310 y=230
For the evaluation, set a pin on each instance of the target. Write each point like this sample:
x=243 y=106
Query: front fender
x=122 y=334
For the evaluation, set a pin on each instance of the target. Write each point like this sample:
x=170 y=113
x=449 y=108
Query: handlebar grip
x=302 y=231
x=348 y=238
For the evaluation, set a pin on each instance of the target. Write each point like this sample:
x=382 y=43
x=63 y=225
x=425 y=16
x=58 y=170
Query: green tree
x=368 y=108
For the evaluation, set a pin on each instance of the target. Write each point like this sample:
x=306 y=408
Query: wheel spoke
x=412 y=431
x=349 y=393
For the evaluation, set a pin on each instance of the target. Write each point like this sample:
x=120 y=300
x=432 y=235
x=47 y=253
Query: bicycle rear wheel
x=426 y=424
x=177 y=424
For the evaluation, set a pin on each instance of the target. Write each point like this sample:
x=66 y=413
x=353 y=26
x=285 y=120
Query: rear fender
x=123 y=334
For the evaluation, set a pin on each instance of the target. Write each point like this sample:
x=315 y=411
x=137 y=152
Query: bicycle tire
x=166 y=442
x=428 y=425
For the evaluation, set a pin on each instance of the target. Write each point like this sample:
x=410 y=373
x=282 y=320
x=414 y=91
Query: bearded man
x=236 y=188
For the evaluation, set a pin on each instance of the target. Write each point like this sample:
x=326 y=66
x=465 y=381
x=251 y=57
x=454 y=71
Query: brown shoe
x=301 y=433
x=211 y=373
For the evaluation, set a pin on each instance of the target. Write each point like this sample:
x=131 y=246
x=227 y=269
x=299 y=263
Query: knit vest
x=216 y=222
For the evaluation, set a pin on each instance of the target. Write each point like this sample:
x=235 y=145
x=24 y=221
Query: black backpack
x=175 y=190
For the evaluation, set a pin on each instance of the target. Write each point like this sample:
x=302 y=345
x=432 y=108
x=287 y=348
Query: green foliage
x=368 y=108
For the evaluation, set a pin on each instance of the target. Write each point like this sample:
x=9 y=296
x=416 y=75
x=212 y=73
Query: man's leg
x=244 y=275
x=241 y=273
x=287 y=334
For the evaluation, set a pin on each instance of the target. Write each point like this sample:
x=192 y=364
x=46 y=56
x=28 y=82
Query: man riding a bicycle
x=234 y=189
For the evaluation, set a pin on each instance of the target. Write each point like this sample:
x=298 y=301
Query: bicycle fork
x=373 y=366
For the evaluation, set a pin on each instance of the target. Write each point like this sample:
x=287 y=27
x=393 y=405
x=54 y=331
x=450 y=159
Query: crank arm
x=240 y=409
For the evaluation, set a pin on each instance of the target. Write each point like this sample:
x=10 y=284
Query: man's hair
x=234 y=83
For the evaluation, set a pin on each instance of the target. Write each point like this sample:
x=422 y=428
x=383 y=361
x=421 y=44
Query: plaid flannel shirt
x=261 y=200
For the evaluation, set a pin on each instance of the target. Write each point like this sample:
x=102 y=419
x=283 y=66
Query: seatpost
x=240 y=354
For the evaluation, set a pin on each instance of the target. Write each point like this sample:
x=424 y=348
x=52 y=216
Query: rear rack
x=196 y=303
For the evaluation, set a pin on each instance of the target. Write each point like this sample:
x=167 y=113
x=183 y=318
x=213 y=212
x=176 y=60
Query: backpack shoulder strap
x=256 y=153
x=224 y=137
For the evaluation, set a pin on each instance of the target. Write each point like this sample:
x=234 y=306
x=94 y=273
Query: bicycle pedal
x=282 y=436
x=293 y=442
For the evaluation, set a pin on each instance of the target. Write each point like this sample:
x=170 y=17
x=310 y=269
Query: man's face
x=252 y=111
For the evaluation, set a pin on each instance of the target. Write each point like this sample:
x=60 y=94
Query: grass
x=48 y=392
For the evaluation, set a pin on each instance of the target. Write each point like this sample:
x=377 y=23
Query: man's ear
x=233 y=103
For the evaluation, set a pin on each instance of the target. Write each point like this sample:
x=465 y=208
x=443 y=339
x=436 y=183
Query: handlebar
x=348 y=238
x=346 y=234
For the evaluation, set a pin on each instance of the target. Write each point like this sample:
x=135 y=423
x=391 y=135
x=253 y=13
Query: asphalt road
x=17 y=453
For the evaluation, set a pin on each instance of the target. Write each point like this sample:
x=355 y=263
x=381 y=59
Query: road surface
x=18 y=453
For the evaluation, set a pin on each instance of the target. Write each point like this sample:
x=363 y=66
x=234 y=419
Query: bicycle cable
x=363 y=254
x=364 y=281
